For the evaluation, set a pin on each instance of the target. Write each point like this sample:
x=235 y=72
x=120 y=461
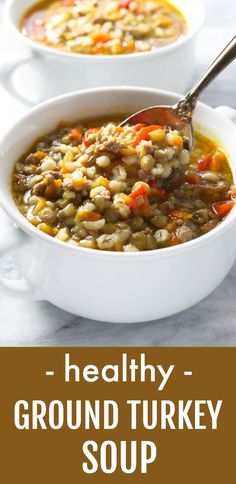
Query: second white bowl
x=169 y=67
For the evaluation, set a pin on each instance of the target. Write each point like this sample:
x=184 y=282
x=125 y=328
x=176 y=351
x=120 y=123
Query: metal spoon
x=179 y=116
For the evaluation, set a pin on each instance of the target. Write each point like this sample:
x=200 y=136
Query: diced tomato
x=124 y=3
x=88 y=133
x=143 y=134
x=223 y=208
x=152 y=183
x=160 y=192
x=205 y=162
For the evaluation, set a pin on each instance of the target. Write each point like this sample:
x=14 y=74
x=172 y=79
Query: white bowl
x=162 y=68
x=108 y=286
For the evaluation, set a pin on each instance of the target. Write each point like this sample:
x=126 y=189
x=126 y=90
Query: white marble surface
x=210 y=323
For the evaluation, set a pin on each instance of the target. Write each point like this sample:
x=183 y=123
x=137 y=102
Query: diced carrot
x=180 y=214
x=101 y=181
x=78 y=184
x=98 y=49
x=58 y=183
x=126 y=199
x=47 y=229
x=193 y=179
x=175 y=240
x=76 y=133
x=223 y=208
x=90 y=216
x=139 y=126
x=101 y=37
x=171 y=226
x=40 y=155
x=143 y=134
x=93 y=216
x=34 y=221
x=205 y=162
x=67 y=162
x=139 y=190
x=65 y=168
x=119 y=129
x=51 y=190
x=118 y=246
x=128 y=45
x=216 y=162
x=177 y=140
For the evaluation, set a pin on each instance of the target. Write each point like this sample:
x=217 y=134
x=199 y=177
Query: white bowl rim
x=15 y=214
x=98 y=58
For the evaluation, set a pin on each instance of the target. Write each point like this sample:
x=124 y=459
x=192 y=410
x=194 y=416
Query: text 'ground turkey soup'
x=110 y=27
x=100 y=186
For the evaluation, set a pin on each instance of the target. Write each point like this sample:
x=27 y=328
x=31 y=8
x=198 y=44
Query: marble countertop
x=210 y=323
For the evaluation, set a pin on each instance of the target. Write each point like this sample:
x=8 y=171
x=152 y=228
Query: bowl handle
x=13 y=239
x=7 y=71
x=228 y=112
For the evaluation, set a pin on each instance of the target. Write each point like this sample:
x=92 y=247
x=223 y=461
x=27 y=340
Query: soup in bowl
x=98 y=27
x=105 y=54
x=136 y=279
x=134 y=188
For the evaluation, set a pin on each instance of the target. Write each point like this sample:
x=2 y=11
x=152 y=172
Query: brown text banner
x=152 y=415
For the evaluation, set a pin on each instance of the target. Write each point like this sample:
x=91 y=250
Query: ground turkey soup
x=110 y=27
x=100 y=186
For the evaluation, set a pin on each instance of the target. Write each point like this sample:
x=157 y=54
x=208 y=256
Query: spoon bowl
x=179 y=116
x=164 y=116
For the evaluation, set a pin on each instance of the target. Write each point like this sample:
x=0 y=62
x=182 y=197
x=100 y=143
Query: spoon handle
x=187 y=104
